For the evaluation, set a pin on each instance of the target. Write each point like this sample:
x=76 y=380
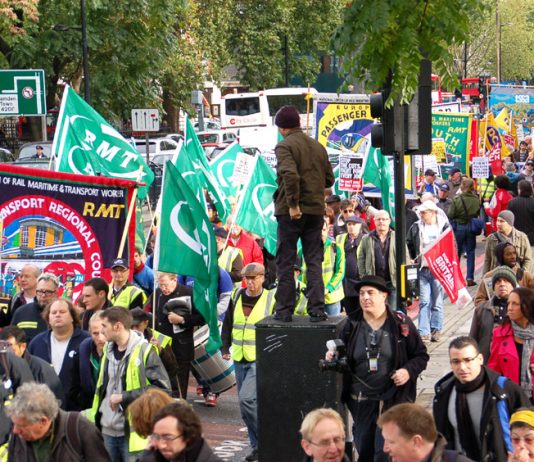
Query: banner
x=350 y=172
x=84 y=143
x=455 y=130
x=69 y=225
x=185 y=245
x=518 y=100
x=442 y=259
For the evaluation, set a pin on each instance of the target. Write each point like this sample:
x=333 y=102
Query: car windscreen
x=242 y=106
x=277 y=101
x=208 y=138
x=28 y=151
x=141 y=147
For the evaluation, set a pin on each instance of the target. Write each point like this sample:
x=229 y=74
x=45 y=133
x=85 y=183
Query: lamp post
x=85 y=53
x=498 y=40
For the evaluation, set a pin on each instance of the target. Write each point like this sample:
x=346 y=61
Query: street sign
x=145 y=120
x=22 y=92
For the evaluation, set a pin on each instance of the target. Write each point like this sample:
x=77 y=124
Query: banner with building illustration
x=452 y=139
x=69 y=225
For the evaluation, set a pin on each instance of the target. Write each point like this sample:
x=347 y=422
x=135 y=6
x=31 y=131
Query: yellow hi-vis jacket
x=135 y=379
x=244 y=329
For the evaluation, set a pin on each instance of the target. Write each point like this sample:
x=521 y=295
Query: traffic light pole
x=400 y=226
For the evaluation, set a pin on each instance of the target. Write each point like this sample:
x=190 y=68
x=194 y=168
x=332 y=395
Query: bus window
x=242 y=106
x=277 y=101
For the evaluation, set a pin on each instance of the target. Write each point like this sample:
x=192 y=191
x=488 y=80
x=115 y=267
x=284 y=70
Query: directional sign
x=22 y=92
x=145 y=120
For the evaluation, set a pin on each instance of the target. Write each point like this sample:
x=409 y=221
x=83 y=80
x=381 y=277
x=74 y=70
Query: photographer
x=176 y=316
x=385 y=355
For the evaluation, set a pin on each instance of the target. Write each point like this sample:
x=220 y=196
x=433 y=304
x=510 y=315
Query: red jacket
x=250 y=248
x=504 y=358
x=502 y=197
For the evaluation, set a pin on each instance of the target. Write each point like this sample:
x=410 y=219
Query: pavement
x=226 y=433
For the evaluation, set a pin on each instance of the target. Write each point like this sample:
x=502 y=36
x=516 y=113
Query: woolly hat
x=503 y=272
x=287 y=117
x=507 y=216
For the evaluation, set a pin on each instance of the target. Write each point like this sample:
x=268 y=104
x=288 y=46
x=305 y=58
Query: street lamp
x=85 y=53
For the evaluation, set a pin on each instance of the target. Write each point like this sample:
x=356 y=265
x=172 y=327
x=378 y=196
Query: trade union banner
x=455 y=131
x=442 y=260
x=69 y=225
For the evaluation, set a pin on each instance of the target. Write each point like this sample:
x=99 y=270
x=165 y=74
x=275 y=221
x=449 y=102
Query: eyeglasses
x=348 y=211
x=529 y=439
x=164 y=438
x=466 y=361
x=381 y=219
x=45 y=292
x=338 y=441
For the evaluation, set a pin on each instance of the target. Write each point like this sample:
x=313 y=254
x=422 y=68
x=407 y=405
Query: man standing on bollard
x=303 y=172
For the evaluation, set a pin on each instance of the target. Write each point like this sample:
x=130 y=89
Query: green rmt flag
x=222 y=168
x=86 y=144
x=256 y=209
x=185 y=244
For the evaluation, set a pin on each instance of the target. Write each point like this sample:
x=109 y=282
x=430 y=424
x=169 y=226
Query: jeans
x=430 y=303
x=308 y=229
x=466 y=240
x=367 y=436
x=245 y=375
x=117 y=447
x=332 y=309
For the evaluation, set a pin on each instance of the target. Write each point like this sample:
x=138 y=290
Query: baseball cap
x=529 y=162
x=353 y=219
x=428 y=205
x=120 y=262
x=253 y=269
x=445 y=187
x=454 y=170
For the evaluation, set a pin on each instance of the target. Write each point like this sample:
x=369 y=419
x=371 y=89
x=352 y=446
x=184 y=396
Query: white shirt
x=58 y=349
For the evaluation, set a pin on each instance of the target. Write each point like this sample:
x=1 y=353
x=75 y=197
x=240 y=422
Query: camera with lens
x=340 y=362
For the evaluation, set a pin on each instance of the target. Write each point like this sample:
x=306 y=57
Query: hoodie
x=112 y=422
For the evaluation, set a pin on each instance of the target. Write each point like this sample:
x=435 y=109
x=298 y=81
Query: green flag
x=189 y=172
x=223 y=168
x=377 y=171
x=198 y=158
x=256 y=210
x=84 y=143
x=185 y=244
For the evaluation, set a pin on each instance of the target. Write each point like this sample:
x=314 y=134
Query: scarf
x=527 y=335
x=466 y=432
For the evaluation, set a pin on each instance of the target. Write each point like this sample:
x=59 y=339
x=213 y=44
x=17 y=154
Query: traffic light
x=418 y=116
x=385 y=134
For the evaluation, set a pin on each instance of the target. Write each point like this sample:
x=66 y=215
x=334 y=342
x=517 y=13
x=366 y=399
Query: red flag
x=442 y=259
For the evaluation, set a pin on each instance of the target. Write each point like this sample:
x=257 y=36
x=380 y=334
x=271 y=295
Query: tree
x=379 y=38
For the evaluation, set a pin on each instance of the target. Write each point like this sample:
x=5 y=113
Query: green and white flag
x=189 y=172
x=185 y=244
x=198 y=158
x=86 y=144
x=223 y=168
x=377 y=171
x=256 y=205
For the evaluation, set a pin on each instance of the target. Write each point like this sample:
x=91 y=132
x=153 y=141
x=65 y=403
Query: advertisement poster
x=69 y=225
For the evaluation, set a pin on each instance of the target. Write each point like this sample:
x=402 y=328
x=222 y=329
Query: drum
x=214 y=370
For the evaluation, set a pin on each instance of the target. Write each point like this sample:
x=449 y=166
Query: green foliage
x=382 y=36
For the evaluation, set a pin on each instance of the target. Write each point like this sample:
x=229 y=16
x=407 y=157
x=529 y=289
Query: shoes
x=210 y=400
x=318 y=317
x=426 y=338
x=282 y=317
x=471 y=283
x=252 y=456
x=435 y=336
x=200 y=391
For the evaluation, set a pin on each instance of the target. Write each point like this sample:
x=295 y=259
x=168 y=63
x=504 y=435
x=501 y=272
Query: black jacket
x=492 y=441
x=43 y=372
x=523 y=210
x=199 y=451
x=182 y=342
x=482 y=325
x=409 y=353
x=19 y=373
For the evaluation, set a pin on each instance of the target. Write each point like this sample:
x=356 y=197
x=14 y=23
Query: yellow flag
x=502 y=120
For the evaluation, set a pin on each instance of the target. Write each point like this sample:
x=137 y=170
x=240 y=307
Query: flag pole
x=308 y=111
x=129 y=216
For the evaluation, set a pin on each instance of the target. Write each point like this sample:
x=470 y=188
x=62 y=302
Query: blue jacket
x=40 y=347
